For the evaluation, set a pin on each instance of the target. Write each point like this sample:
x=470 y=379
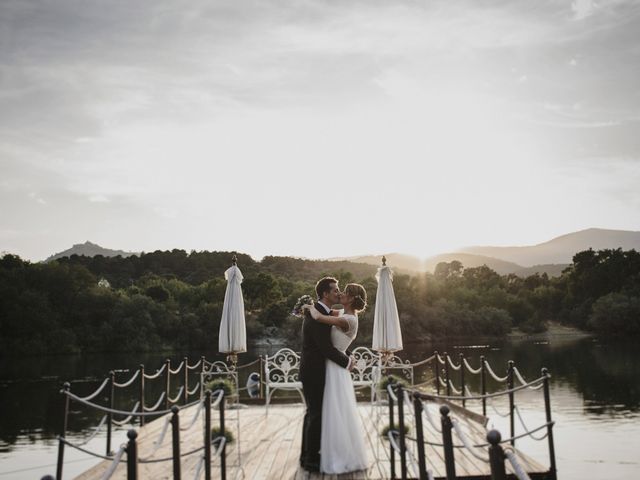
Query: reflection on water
x=595 y=392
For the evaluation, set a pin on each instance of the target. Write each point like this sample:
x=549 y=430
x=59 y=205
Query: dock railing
x=141 y=412
x=405 y=401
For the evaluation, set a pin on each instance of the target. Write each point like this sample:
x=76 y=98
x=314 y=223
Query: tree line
x=172 y=300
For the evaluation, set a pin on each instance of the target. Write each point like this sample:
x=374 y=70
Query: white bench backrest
x=282 y=367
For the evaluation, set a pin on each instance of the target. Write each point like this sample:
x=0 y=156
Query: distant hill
x=562 y=249
x=471 y=261
x=89 y=249
x=400 y=262
x=551 y=269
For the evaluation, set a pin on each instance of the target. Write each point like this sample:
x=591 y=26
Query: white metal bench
x=283 y=367
x=281 y=372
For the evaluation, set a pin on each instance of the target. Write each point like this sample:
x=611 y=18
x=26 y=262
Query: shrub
x=385 y=430
x=221 y=383
x=215 y=433
x=391 y=379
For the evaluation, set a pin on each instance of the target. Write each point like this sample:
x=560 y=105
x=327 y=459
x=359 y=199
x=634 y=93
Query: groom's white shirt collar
x=327 y=309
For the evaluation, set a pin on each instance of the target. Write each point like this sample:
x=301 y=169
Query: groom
x=316 y=347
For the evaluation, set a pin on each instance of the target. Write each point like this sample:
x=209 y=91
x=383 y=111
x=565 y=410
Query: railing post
x=446 y=373
x=483 y=384
x=63 y=433
x=207 y=435
x=447 y=441
x=167 y=382
x=141 y=399
x=436 y=365
x=392 y=452
x=185 y=393
x=496 y=456
x=175 y=434
x=401 y=427
x=202 y=369
x=112 y=388
x=512 y=419
x=132 y=455
x=417 y=410
x=547 y=408
x=464 y=393
x=223 y=453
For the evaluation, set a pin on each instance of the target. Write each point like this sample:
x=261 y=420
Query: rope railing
x=494 y=375
x=176 y=399
x=128 y=419
x=141 y=411
x=491 y=452
x=166 y=459
x=84 y=450
x=474 y=371
x=467 y=444
x=194 y=390
x=196 y=476
x=158 y=442
x=220 y=395
x=517 y=468
x=421 y=362
x=157 y=405
x=95 y=431
x=412 y=463
x=128 y=382
x=223 y=442
x=391 y=393
x=522 y=380
x=427 y=414
x=195 y=417
x=526 y=429
x=177 y=370
x=97 y=392
x=496 y=411
x=195 y=366
x=157 y=374
x=246 y=365
x=454 y=389
x=114 y=464
x=452 y=364
x=488 y=395
x=113 y=410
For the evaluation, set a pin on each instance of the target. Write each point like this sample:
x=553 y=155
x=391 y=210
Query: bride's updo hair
x=359 y=295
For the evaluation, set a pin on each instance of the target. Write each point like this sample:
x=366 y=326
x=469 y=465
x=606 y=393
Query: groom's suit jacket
x=316 y=346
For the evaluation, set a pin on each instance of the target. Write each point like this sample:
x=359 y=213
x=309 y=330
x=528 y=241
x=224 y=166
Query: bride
x=342 y=447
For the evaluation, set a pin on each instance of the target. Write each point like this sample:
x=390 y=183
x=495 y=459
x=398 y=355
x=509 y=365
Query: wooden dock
x=270 y=446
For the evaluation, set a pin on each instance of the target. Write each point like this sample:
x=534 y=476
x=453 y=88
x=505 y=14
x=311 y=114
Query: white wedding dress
x=342 y=447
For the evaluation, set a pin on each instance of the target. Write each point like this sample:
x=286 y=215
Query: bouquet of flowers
x=298 y=311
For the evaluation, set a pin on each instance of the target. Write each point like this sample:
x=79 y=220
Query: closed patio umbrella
x=387 y=336
x=233 y=332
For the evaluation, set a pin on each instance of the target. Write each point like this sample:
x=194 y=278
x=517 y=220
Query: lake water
x=595 y=395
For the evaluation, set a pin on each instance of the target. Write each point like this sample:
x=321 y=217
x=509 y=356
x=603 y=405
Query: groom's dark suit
x=316 y=347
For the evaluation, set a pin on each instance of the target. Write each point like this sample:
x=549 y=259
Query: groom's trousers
x=313 y=391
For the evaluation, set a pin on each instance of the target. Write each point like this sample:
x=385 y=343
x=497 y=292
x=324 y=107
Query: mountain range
x=89 y=249
x=551 y=257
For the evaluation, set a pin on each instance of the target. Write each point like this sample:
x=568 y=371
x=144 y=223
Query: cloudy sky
x=316 y=128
